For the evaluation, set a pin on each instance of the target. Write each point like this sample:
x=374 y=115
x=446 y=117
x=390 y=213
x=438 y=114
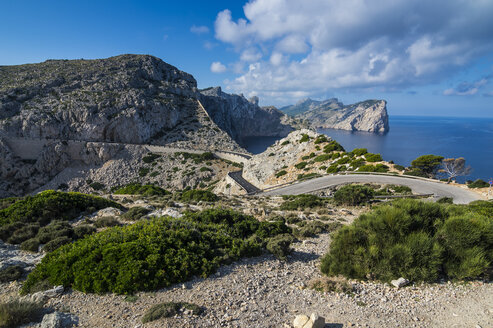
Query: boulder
x=59 y=320
x=314 y=321
x=401 y=282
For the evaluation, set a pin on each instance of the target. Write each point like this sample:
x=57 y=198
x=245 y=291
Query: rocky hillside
x=242 y=118
x=369 y=115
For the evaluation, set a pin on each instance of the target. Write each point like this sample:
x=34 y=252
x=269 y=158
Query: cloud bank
x=293 y=48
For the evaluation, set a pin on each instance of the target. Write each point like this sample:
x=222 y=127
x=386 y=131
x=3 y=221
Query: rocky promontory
x=369 y=115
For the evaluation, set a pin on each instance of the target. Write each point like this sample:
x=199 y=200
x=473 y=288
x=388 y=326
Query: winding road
x=460 y=196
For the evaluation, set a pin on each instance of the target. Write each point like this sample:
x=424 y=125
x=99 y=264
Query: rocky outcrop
x=369 y=115
x=242 y=118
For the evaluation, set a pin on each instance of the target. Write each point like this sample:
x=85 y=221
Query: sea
x=412 y=136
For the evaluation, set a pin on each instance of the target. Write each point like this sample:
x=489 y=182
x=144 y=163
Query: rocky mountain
x=242 y=118
x=124 y=100
x=369 y=115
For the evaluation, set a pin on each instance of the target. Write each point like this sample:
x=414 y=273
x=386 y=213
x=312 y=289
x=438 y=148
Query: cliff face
x=369 y=115
x=241 y=117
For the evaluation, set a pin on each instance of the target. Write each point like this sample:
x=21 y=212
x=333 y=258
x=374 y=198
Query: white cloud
x=199 y=29
x=466 y=88
x=217 y=67
x=312 y=47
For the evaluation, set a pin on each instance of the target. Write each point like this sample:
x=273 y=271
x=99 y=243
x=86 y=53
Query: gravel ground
x=265 y=292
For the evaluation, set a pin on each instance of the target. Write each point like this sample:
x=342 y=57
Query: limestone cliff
x=242 y=118
x=369 y=115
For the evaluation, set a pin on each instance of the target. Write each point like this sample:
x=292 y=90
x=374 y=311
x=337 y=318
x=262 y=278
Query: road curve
x=460 y=196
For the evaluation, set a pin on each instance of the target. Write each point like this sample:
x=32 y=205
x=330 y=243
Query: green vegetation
x=143 y=171
x=321 y=139
x=417 y=240
x=106 y=221
x=97 y=186
x=322 y=158
x=150 y=157
x=331 y=285
x=299 y=202
x=15 y=313
x=169 y=309
x=374 y=168
x=11 y=273
x=353 y=195
x=301 y=165
x=359 y=151
x=304 y=176
x=373 y=157
x=284 y=143
x=40 y=219
x=428 y=165
x=304 y=138
x=138 y=189
x=197 y=195
x=135 y=213
x=197 y=158
x=333 y=146
x=280 y=246
x=154 y=253
x=478 y=184
x=281 y=173
x=334 y=168
x=313 y=228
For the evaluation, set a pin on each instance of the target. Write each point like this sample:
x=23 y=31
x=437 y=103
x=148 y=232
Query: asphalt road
x=460 y=196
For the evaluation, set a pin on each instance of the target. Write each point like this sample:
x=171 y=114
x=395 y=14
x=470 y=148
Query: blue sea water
x=413 y=136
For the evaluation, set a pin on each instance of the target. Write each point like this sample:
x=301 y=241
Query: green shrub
x=11 y=273
x=135 y=213
x=428 y=165
x=374 y=168
x=106 y=221
x=301 y=165
x=15 y=313
x=83 y=230
x=344 y=160
x=445 y=200
x=417 y=240
x=6 y=202
x=154 y=253
x=280 y=246
x=322 y=158
x=304 y=138
x=20 y=235
x=198 y=195
x=333 y=146
x=399 y=167
x=330 y=285
x=170 y=309
x=334 y=168
x=284 y=143
x=56 y=243
x=321 y=139
x=359 y=151
x=30 y=245
x=205 y=169
x=373 y=157
x=97 y=186
x=138 y=189
x=52 y=205
x=281 y=173
x=478 y=184
x=150 y=157
x=54 y=230
x=307 y=175
x=313 y=228
x=143 y=171
x=353 y=195
x=197 y=158
x=415 y=172
x=294 y=203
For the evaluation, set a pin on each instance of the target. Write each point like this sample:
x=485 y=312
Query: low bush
x=344 y=160
x=143 y=171
x=56 y=243
x=11 y=273
x=26 y=232
x=303 y=176
x=205 y=169
x=331 y=285
x=281 y=173
x=138 y=189
x=301 y=165
x=150 y=157
x=374 y=168
x=417 y=240
x=333 y=146
x=373 y=157
x=54 y=230
x=154 y=253
x=135 y=213
x=15 y=313
x=359 y=151
x=300 y=202
x=353 y=195
x=83 y=230
x=478 y=184
x=106 y=221
x=198 y=195
x=304 y=138
x=197 y=158
x=334 y=168
x=321 y=139
x=284 y=143
x=280 y=246
x=170 y=309
x=97 y=186
x=445 y=200
x=399 y=167
x=322 y=158
x=30 y=245
x=313 y=228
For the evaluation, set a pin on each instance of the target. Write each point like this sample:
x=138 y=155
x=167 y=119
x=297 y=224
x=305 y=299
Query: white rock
x=300 y=321
x=401 y=282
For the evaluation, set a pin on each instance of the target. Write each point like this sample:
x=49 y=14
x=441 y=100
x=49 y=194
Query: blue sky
x=424 y=57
